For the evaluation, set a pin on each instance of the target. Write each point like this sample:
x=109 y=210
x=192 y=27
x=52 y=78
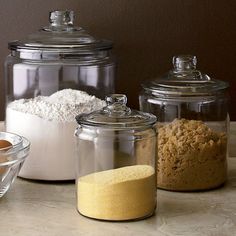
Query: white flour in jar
x=49 y=123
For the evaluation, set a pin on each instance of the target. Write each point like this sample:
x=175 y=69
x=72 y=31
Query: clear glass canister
x=193 y=122
x=51 y=76
x=59 y=56
x=116 y=159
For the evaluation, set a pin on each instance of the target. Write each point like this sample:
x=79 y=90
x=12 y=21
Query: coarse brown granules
x=191 y=156
x=145 y=149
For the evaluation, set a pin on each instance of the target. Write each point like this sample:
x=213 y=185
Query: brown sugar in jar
x=193 y=125
x=191 y=156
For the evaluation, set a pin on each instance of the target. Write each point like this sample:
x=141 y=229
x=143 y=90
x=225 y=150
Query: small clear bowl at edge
x=11 y=159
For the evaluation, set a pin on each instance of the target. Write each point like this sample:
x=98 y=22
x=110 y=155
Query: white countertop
x=32 y=208
x=38 y=208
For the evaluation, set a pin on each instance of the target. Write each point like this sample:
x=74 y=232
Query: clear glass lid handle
x=116 y=99
x=116 y=103
x=184 y=62
x=61 y=18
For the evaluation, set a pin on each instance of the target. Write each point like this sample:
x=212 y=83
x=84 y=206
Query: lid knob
x=116 y=99
x=61 y=18
x=184 y=62
x=116 y=103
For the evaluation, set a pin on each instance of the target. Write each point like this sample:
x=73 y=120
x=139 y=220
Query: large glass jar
x=116 y=159
x=193 y=126
x=59 y=58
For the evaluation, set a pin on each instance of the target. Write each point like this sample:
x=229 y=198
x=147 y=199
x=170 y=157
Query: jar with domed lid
x=116 y=159
x=193 y=122
x=50 y=75
x=57 y=57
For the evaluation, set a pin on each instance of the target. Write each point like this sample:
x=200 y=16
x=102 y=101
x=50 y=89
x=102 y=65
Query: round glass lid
x=62 y=35
x=117 y=115
x=185 y=79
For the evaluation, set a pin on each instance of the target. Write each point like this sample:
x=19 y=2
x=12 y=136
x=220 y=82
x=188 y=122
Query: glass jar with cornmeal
x=116 y=158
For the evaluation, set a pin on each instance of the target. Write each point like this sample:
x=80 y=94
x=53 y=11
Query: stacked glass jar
x=193 y=121
x=116 y=159
x=43 y=74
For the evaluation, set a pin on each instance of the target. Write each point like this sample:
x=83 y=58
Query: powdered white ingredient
x=63 y=105
x=49 y=123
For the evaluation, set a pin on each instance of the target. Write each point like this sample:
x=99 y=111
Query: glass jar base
x=121 y=220
x=192 y=190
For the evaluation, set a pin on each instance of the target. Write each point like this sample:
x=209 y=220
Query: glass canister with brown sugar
x=193 y=122
x=116 y=159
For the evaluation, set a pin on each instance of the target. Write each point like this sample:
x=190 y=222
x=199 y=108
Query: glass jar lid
x=60 y=37
x=116 y=115
x=185 y=80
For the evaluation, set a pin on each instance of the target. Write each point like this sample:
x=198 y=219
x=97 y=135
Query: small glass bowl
x=11 y=159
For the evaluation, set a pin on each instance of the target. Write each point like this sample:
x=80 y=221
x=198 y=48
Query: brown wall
x=146 y=34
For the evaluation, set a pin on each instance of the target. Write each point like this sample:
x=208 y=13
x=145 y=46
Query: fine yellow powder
x=121 y=194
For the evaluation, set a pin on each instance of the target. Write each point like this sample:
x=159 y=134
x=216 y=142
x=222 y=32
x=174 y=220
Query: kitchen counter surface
x=37 y=208
x=33 y=208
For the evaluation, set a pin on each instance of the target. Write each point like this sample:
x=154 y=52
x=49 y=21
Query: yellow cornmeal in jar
x=121 y=194
x=191 y=156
